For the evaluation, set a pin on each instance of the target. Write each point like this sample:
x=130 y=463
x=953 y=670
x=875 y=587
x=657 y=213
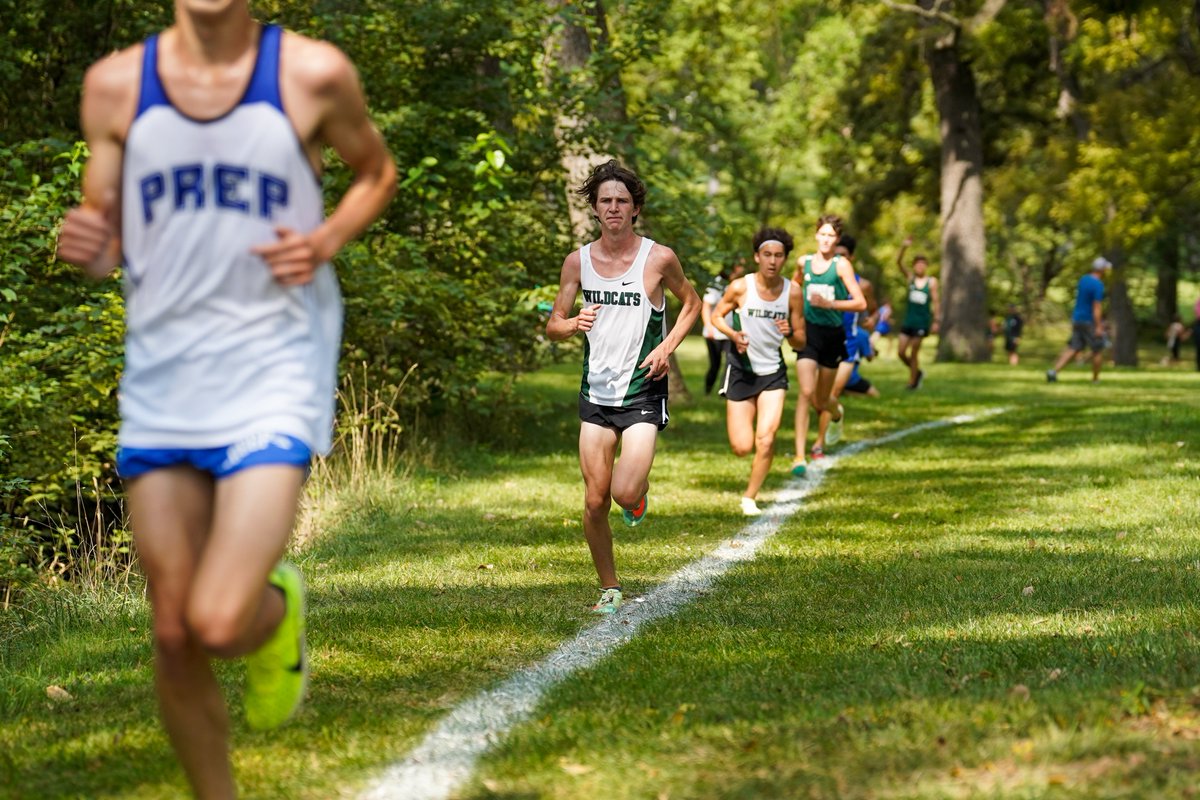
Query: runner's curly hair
x=613 y=171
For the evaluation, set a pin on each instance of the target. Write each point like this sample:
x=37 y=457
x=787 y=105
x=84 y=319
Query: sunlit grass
x=1002 y=609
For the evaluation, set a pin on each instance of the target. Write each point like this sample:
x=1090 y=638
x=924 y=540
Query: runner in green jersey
x=830 y=288
x=921 y=316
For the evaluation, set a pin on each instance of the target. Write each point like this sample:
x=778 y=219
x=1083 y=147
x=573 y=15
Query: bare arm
x=678 y=284
x=856 y=301
x=91 y=233
x=561 y=326
x=936 y=297
x=326 y=78
x=730 y=301
x=900 y=258
x=1098 y=316
x=799 y=335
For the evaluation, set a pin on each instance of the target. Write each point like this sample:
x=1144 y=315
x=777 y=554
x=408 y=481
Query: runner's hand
x=292 y=258
x=85 y=237
x=586 y=318
x=784 y=326
x=658 y=362
x=742 y=342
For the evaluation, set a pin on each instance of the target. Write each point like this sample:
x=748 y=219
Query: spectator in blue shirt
x=1087 y=322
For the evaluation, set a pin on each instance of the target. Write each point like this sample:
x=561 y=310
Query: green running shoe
x=277 y=673
x=634 y=517
x=799 y=468
x=610 y=601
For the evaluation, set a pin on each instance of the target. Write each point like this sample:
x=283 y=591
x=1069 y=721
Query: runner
x=766 y=308
x=829 y=430
x=830 y=288
x=713 y=338
x=1087 y=322
x=857 y=383
x=883 y=325
x=1014 y=326
x=209 y=192
x=920 y=317
x=623 y=398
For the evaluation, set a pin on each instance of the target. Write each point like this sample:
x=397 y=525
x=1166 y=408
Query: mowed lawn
x=1005 y=608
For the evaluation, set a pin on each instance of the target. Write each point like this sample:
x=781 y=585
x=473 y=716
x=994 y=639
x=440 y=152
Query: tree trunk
x=1166 y=289
x=570 y=47
x=964 y=286
x=1124 y=325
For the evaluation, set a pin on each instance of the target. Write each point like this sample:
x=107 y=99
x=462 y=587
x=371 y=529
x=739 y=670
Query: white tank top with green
x=626 y=329
x=918 y=314
x=756 y=318
x=827 y=284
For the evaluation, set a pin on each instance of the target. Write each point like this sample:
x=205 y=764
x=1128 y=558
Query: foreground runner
x=830 y=288
x=205 y=186
x=623 y=398
x=767 y=308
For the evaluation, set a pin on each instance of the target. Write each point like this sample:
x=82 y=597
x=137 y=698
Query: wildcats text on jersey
x=227 y=186
x=764 y=313
x=606 y=298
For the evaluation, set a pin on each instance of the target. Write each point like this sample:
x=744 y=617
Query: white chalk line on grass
x=446 y=758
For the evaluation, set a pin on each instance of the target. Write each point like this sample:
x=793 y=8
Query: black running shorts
x=825 y=344
x=651 y=410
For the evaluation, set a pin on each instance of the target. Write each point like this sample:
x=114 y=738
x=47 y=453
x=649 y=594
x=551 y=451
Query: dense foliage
x=738 y=113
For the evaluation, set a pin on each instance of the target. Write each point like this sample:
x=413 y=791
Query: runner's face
x=920 y=267
x=770 y=258
x=827 y=239
x=614 y=206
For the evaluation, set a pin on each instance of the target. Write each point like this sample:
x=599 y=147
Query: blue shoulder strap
x=151 y=92
x=264 y=83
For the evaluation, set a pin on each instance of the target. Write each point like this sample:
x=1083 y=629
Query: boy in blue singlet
x=208 y=192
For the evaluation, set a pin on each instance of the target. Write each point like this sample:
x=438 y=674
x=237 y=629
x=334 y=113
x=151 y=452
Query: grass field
x=1000 y=609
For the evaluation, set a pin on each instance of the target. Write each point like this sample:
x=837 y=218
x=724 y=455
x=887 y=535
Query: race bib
x=918 y=296
x=820 y=290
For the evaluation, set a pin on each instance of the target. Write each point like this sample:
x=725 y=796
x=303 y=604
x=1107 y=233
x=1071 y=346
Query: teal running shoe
x=277 y=673
x=610 y=601
x=633 y=517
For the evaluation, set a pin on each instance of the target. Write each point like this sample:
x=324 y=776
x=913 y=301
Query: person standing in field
x=921 y=314
x=624 y=278
x=766 y=308
x=713 y=338
x=1014 y=325
x=830 y=289
x=203 y=181
x=1087 y=322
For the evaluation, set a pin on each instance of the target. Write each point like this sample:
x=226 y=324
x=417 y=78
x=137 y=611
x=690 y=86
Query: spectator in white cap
x=1087 y=322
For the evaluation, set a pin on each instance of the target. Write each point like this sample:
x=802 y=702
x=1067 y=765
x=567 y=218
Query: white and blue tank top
x=216 y=350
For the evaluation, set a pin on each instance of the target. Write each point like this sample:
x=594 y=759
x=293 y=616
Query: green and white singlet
x=756 y=317
x=918 y=315
x=626 y=329
x=829 y=285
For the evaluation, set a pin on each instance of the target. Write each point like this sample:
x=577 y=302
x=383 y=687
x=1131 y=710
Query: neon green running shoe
x=634 y=517
x=610 y=601
x=277 y=673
